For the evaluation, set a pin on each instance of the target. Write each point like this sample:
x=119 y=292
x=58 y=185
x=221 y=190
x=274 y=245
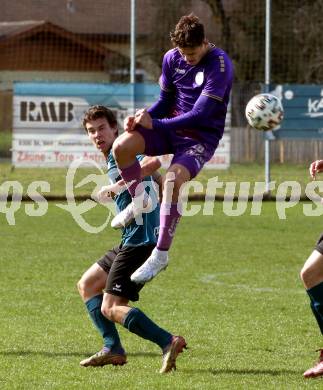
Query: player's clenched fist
x=143 y=118
x=129 y=123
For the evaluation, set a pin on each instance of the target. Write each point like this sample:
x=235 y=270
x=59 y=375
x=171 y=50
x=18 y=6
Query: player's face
x=193 y=55
x=101 y=134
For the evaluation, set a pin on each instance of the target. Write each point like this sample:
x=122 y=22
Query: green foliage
x=232 y=289
x=5 y=142
x=296 y=43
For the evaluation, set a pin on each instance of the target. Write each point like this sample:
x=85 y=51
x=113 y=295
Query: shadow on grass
x=63 y=354
x=239 y=371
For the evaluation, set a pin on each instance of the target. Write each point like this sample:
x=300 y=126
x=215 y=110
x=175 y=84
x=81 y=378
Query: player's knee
x=168 y=184
x=79 y=286
x=82 y=286
x=105 y=311
x=302 y=274
x=171 y=187
x=117 y=149
x=175 y=180
x=178 y=182
x=108 y=312
x=307 y=275
x=120 y=148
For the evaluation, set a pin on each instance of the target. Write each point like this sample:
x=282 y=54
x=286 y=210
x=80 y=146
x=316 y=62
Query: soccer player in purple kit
x=187 y=121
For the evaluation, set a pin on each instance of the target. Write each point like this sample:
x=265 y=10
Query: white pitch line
x=213 y=279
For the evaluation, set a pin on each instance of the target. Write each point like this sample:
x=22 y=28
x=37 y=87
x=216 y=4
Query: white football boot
x=156 y=262
x=142 y=204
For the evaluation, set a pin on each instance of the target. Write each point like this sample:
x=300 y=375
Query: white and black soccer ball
x=264 y=112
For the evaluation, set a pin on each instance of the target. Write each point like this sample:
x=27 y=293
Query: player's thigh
x=92 y=281
x=129 y=143
x=157 y=142
x=110 y=300
x=312 y=271
x=179 y=172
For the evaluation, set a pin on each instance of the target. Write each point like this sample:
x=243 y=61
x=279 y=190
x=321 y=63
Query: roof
x=12 y=28
x=11 y=32
x=78 y=16
x=97 y=16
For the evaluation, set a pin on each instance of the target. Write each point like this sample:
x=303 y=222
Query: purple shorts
x=190 y=148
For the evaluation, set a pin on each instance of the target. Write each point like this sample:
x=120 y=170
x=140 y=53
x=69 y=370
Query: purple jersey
x=200 y=91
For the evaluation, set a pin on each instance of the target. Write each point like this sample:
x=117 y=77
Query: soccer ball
x=264 y=112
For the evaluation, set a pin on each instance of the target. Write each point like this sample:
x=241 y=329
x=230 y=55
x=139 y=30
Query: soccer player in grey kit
x=187 y=121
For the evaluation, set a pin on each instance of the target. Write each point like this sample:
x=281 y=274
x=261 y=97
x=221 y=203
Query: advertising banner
x=303 y=111
x=47 y=128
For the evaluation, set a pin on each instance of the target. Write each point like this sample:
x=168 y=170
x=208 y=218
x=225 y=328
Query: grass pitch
x=237 y=173
x=232 y=290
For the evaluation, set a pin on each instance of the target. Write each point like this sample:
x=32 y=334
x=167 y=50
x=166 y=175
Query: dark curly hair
x=96 y=112
x=189 y=32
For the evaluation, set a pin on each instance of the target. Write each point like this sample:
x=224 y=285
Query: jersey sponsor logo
x=199 y=78
x=180 y=71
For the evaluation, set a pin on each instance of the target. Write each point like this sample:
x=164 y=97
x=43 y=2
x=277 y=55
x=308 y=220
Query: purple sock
x=131 y=176
x=169 y=218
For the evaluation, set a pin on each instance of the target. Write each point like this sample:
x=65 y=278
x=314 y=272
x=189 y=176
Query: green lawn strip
x=238 y=179
x=5 y=142
x=232 y=289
